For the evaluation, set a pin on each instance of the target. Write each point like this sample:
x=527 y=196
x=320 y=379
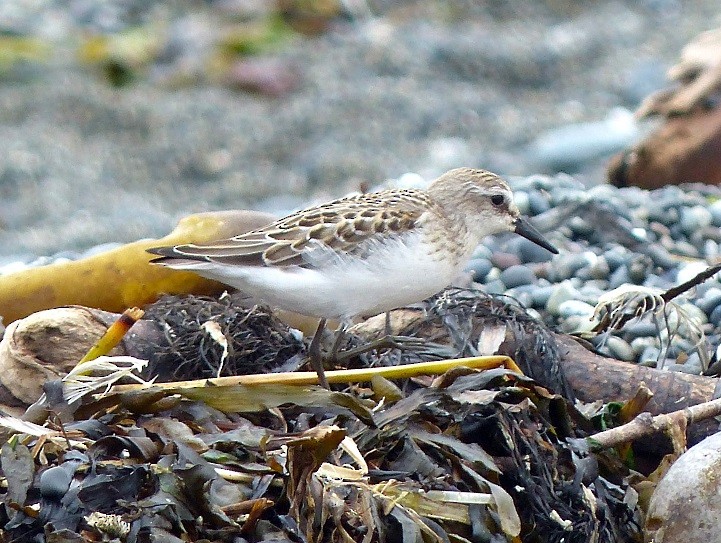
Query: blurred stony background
x=119 y=116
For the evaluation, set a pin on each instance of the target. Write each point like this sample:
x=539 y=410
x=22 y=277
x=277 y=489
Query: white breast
x=396 y=273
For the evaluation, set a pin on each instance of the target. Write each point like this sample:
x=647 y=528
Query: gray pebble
x=576 y=324
x=649 y=354
x=715 y=316
x=482 y=252
x=561 y=293
x=615 y=257
x=566 y=265
x=619 y=349
x=580 y=227
x=684 y=248
x=710 y=249
x=637 y=271
x=693 y=364
x=715 y=210
x=663 y=215
x=683 y=368
x=689 y=270
x=540 y=295
x=495 y=287
x=661 y=256
x=640 y=329
x=694 y=218
x=619 y=277
x=530 y=252
x=575 y=308
x=524 y=298
x=640 y=344
x=480 y=268
x=523 y=202
x=516 y=276
x=599 y=269
x=538 y=203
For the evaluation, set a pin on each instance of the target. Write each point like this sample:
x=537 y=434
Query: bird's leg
x=315 y=355
x=339 y=336
x=388 y=324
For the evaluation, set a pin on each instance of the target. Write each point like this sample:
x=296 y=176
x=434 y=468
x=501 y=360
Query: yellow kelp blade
x=122 y=277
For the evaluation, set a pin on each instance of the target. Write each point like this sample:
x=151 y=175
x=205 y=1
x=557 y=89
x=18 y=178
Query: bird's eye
x=498 y=199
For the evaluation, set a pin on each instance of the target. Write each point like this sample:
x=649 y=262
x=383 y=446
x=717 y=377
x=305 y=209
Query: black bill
x=528 y=231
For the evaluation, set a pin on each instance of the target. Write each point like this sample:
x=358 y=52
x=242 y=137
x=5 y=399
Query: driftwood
x=594 y=377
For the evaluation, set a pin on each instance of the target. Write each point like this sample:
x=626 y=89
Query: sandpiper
x=362 y=255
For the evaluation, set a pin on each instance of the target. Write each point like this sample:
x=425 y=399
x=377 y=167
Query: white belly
x=395 y=274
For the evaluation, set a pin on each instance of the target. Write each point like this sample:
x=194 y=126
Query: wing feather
x=312 y=236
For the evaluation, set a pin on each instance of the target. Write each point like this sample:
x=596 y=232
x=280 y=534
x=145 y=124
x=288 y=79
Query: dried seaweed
x=256 y=341
x=463 y=315
x=470 y=456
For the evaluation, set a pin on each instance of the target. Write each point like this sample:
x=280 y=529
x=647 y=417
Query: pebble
x=618 y=349
x=640 y=344
x=495 y=287
x=505 y=260
x=599 y=269
x=515 y=276
x=566 y=265
x=480 y=268
x=541 y=295
x=575 y=308
x=689 y=270
x=694 y=218
x=715 y=210
x=523 y=202
x=576 y=324
x=561 y=293
x=693 y=364
x=538 y=203
x=530 y=252
x=715 y=316
x=649 y=354
x=640 y=329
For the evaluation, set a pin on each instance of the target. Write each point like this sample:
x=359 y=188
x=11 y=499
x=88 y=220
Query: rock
x=515 y=276
x=715 y=316
x=523 y=202
x=715 y=210
x=505 y=260
x=575 y=308
x=640 y=329
x=694 y=218
x=530 y=252
x=562 y=292
x=537 y=203
x=684 y=506
x=618 y=349
x=54 y=483
x=541 y=294
x=566 y=265
x=689 y=270
x=495 y=287
x=640 y=344
x=693 y=364
x=480 y=268
x=576 y=324
x=649 y=354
